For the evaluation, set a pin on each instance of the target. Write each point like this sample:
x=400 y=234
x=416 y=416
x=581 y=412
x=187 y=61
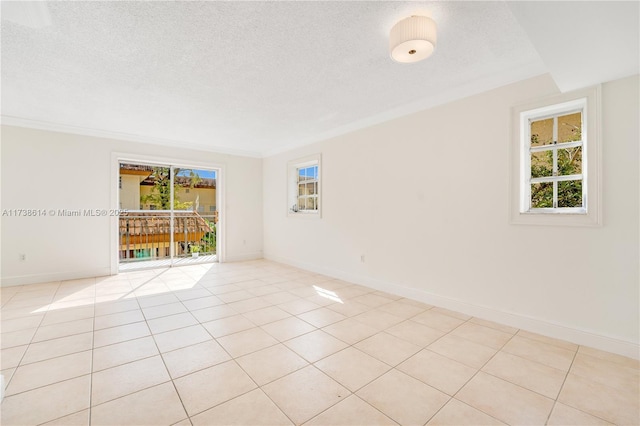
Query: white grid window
x=307 y=188
x=304 y=193
x=556 y=163
x=555 y=160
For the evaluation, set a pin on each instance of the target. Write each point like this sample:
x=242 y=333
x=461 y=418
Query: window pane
x=570 y=127
x=194 y=189
x=541 y=195
x=303 y=192
x=542 y=164
x=155 y=189
x=310 y=188
x=570 y=161
x=542 y=132
x=570 y=193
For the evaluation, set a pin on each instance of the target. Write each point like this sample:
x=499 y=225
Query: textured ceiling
x=246 y=77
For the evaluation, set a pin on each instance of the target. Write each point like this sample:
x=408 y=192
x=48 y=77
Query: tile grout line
x=4 y=302
x=352 y=345
x=163 y=361
x=90 y=372
x=130 y=393
x=6 y=386
x=46 y=385
x=259 y=387
x=282 y=343
x=526 y=359
x=90 y=364
x=470 y=378
x=31 y=342
x=450 y=396
x=555 y=401
x=61 y=417
x=232 y=358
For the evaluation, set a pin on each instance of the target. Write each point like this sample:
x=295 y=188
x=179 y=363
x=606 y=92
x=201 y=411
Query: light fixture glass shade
x=412 y=39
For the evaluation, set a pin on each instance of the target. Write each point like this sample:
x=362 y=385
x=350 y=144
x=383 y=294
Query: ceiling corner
x=583 y=43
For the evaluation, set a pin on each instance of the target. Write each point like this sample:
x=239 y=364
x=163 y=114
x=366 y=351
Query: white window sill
x=315 y=215
x=554 y=218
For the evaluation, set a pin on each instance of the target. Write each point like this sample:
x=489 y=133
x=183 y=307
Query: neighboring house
x=137 y=181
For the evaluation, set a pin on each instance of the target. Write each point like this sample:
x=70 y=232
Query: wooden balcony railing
x=146 y=235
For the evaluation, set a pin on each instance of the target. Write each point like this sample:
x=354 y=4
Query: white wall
x=425 y=198
x=50 y=170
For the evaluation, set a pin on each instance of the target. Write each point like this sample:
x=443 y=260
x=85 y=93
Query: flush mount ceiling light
x=412 y=39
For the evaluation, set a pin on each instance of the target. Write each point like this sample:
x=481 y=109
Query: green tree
x=209 y=239
x=160 y=195
x=569 y=163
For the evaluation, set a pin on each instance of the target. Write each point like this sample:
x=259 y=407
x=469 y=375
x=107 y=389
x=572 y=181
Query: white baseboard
x=512 y=319
x=58 y=276
x=98 y=272
x=243 y=256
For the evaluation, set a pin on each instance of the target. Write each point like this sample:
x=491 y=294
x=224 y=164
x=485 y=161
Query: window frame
x=293 y=185
x=588 y=102
x=545 y=113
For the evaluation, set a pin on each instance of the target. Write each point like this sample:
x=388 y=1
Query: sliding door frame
x=123 y=157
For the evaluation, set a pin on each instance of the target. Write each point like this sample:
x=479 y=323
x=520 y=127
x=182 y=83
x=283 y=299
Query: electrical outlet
x=22 y=257
x=362 y=258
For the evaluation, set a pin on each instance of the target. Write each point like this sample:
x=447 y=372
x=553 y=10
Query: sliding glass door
x=168 y=215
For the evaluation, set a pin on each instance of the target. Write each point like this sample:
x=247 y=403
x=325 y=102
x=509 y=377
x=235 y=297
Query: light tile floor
x=262 y=343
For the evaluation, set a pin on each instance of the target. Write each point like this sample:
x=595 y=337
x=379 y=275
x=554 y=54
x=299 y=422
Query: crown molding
x=77 y=130
x=476 y=87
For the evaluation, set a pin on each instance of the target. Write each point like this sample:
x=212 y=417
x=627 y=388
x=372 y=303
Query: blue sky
x=205 y=174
